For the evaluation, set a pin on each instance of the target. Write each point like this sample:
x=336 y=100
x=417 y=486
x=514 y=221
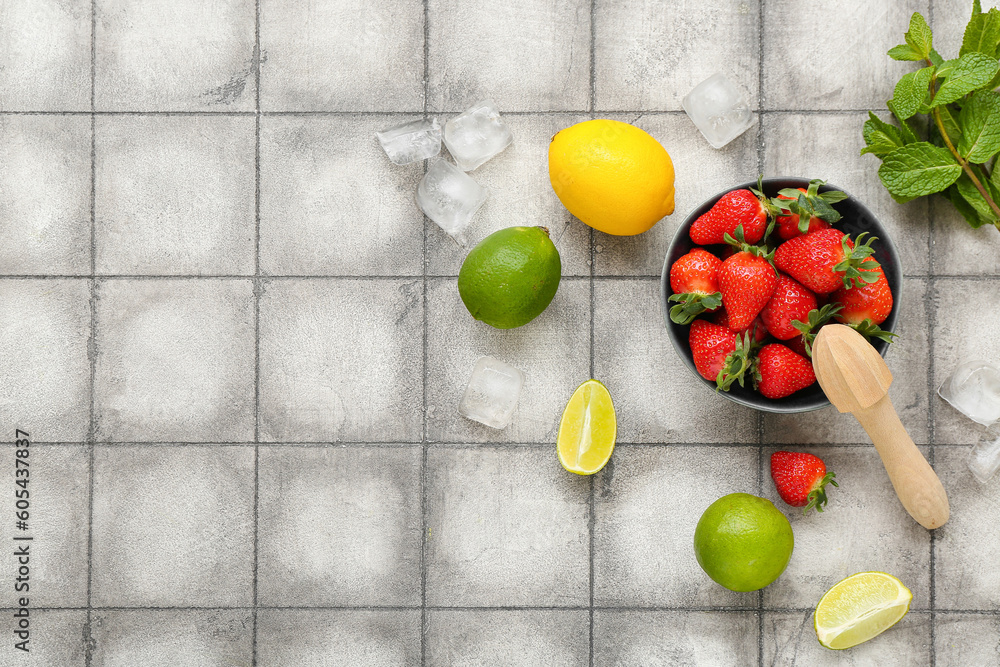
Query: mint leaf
x=918 y=169
x=965 y=208
x=973 y=70
x=972 y=195
x=881 y=139
x=944 y=70
x=904 y=52
x=905 y=131
x=918 y=37
x=880 y=145
x=876 y=124
x=995 y=178
x=950 y=123
x=981 y=119
x=936 y=58
x=911 y=91
x=982 y=35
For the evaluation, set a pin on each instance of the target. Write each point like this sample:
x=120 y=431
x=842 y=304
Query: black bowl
x=856 y=219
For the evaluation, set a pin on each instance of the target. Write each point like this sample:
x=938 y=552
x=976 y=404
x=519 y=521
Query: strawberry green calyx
x=769 y=206
x=809 y=204
x=739 y=242
x=817 y=497
x=870 y=330
x=858 y=265
x=816 y=319
x=737 y=362
x=692 y=304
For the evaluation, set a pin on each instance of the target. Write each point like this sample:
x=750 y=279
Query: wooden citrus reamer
x=855 y=378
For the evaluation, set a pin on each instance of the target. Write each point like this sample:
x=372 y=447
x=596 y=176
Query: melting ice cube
x=492 y=392
x=985 y=457
x=413 y=141
x=477 y=135
x=974 y=390
x=449 y=197
x=719 y=109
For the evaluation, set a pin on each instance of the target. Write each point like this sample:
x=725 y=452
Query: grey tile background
x=239 y=347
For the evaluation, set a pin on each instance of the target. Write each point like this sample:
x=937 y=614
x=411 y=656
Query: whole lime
x=510 y=277
x=743 y=542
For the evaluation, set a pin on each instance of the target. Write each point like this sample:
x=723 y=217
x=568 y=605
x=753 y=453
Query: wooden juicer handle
x=855 y=378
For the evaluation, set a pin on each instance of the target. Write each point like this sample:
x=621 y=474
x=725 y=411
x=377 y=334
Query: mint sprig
x=955 y=154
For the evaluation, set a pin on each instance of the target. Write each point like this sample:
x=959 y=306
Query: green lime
x=743 y=542
x=510 y=277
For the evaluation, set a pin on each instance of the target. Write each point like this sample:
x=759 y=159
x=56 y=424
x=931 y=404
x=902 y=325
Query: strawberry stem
x=858 y=266
x=692 y=304
x=737 y=363
x=817 y=497
x=815 y=320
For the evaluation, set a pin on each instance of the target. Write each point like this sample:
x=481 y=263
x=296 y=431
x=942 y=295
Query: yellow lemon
x=860 y=607
x=587 y=430
x=612 y=176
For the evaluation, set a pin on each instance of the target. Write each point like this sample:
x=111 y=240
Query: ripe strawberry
x=809 y=326
x=806 y=210
x=693 y=278
x=801 y=479
x=710 y=345
x=779 y=372
x=788 y=225
x=746 y=281
x=789 y=302
x=798 y=346
x=756 y=327
x=824 y=260
x=871 y=301
x=737 y=208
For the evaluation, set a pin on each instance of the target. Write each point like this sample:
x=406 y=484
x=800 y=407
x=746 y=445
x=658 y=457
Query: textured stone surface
x=239 y=347
x=173 y=526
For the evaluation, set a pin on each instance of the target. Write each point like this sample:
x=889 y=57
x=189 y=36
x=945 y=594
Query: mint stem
x=936 y=114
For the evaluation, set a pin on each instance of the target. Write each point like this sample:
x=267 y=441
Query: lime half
x=860 y=607
x=587 y=429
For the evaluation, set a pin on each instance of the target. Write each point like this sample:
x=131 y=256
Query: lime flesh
x=587 y=429
x=859 y=608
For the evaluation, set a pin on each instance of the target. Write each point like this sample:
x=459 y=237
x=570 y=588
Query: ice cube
x=413 y=141
x=719 y=109
x=985 y=457
x=449 y=197
x=492 y=392
x=974 y=390
x=477 y=135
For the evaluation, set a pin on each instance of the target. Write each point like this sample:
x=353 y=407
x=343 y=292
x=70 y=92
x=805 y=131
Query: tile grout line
x=930 y=320
x=508 y=608
x=374 y=278
x=257 y=291
x=417 y=112
x=592 y=519
x=92 y=343
x=465 y=444
x=423 y=434
x=760 y=416
x=457 y=444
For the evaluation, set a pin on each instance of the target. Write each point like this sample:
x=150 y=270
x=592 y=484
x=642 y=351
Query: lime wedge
x=587 y=429
x=860 y=607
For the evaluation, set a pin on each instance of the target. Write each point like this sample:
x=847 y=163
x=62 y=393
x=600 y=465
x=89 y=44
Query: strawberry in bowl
x=747 y=330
